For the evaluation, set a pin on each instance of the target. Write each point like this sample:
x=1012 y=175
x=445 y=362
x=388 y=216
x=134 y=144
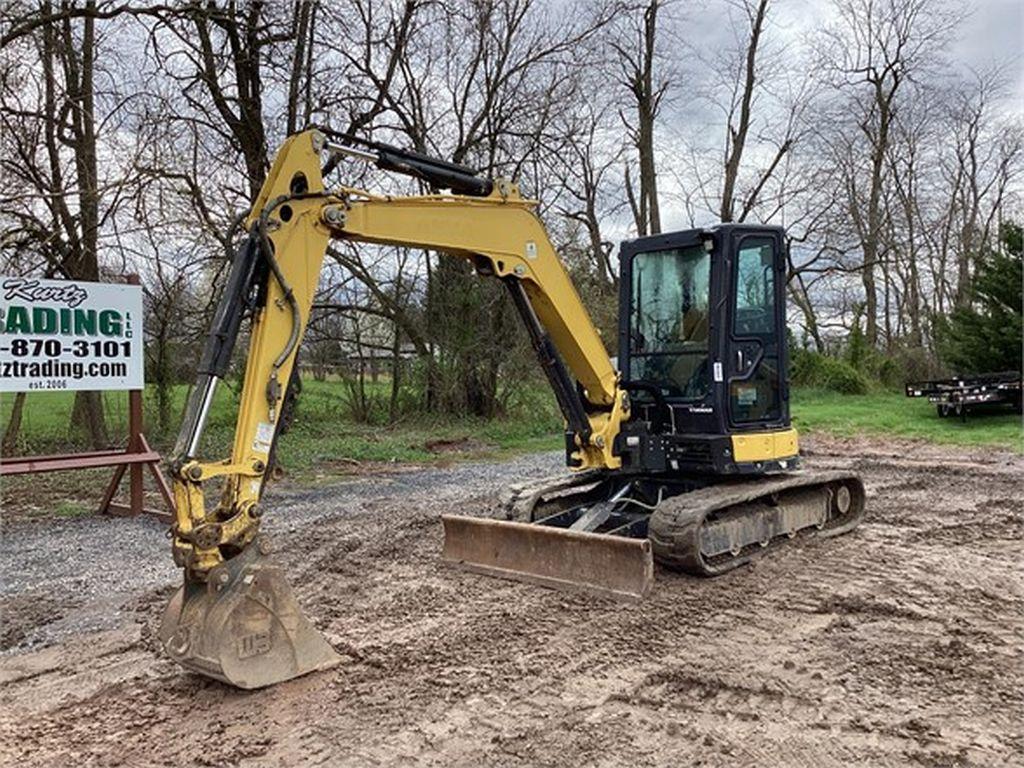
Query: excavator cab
x=702 y=348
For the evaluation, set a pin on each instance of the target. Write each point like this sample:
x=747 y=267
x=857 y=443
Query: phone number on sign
x=54 y=348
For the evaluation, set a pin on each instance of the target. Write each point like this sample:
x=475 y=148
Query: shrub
x=811 y=369
x=888 y=372
x=915 y=363
x=985 y=334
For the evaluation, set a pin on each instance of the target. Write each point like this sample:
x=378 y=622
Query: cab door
x=756 y=392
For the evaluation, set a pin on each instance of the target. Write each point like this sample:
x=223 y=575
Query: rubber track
x=674 y=527
x=519 y=500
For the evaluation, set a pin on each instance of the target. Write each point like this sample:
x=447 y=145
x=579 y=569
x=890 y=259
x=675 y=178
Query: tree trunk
x=738 y=135
x=647 y=112
x=649 y=174
x=303 y=12
x=914 y=279
x=880 y=144
x=13 y=426
x=810 y=320
x=396 y=374
x=87 y=416
x=87 y=413
x=638 y=207
x=162 y=381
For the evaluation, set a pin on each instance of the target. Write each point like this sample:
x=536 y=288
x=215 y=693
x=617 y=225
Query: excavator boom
x=235 y=617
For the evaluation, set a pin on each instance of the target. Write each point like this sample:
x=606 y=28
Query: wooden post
x=135 y=435
x=135 y=446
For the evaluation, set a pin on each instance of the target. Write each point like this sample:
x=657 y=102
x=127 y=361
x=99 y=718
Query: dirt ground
x=899 y=644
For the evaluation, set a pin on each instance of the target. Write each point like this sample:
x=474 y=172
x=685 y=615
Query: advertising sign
x=69 y=335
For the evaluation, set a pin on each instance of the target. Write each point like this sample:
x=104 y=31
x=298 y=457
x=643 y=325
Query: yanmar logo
x=28 y=289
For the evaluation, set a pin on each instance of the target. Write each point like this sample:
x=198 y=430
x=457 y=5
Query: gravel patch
x=66 y=576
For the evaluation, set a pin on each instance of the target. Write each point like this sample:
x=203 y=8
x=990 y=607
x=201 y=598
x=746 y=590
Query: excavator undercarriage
x=603 y=535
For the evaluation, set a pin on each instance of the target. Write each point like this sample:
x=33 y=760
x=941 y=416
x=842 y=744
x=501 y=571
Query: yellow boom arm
x=293 y=220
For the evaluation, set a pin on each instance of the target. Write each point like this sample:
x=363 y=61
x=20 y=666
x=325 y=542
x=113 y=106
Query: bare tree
x=740 y=114
x=498 y=75
x=872 y=52
x=984 y=163
x=637 y=55
x=56 y=203
x=591 y=187
x=147 y=156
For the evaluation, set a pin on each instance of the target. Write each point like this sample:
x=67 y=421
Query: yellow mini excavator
x=684 y=455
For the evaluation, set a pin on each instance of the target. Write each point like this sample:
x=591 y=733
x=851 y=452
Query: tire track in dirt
x=899 y=644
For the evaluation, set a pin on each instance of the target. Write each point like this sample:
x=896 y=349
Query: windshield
x=669 y=320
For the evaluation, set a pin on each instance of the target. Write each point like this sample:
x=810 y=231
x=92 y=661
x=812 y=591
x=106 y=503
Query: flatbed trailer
x=957 y=395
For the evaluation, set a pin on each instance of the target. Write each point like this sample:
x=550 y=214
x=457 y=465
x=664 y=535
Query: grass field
x=325 y=442
x=324 y=436
x=893 y=414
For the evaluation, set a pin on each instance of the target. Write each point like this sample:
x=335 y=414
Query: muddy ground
x=900 y=644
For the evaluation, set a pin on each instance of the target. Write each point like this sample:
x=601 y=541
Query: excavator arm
x=235 y=617
x=502 y=237
x=275 y=276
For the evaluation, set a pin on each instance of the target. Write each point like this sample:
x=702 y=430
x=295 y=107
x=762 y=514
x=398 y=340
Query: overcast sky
x=993 y=33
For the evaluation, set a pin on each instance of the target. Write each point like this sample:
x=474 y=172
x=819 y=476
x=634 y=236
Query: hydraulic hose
x=267 y=248
x=289 y=294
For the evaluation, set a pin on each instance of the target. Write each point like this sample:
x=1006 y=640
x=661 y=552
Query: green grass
x=323 y=434
x=71 y=508
x=324 y=437
x=893 y=414
x=325 y=442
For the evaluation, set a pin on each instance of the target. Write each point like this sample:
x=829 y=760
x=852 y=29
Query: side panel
x=765 y=446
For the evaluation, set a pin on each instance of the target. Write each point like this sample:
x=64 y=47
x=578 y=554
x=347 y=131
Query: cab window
x=755 y=288
x=754 y=397
x=669 y=321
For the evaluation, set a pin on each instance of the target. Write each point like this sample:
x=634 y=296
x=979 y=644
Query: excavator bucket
x=615 y=566
x=243 y=626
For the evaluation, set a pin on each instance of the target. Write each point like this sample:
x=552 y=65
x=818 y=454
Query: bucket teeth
x=243 y=626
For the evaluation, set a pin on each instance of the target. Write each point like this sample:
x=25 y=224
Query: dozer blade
x=553 y=557
x=243 y=626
